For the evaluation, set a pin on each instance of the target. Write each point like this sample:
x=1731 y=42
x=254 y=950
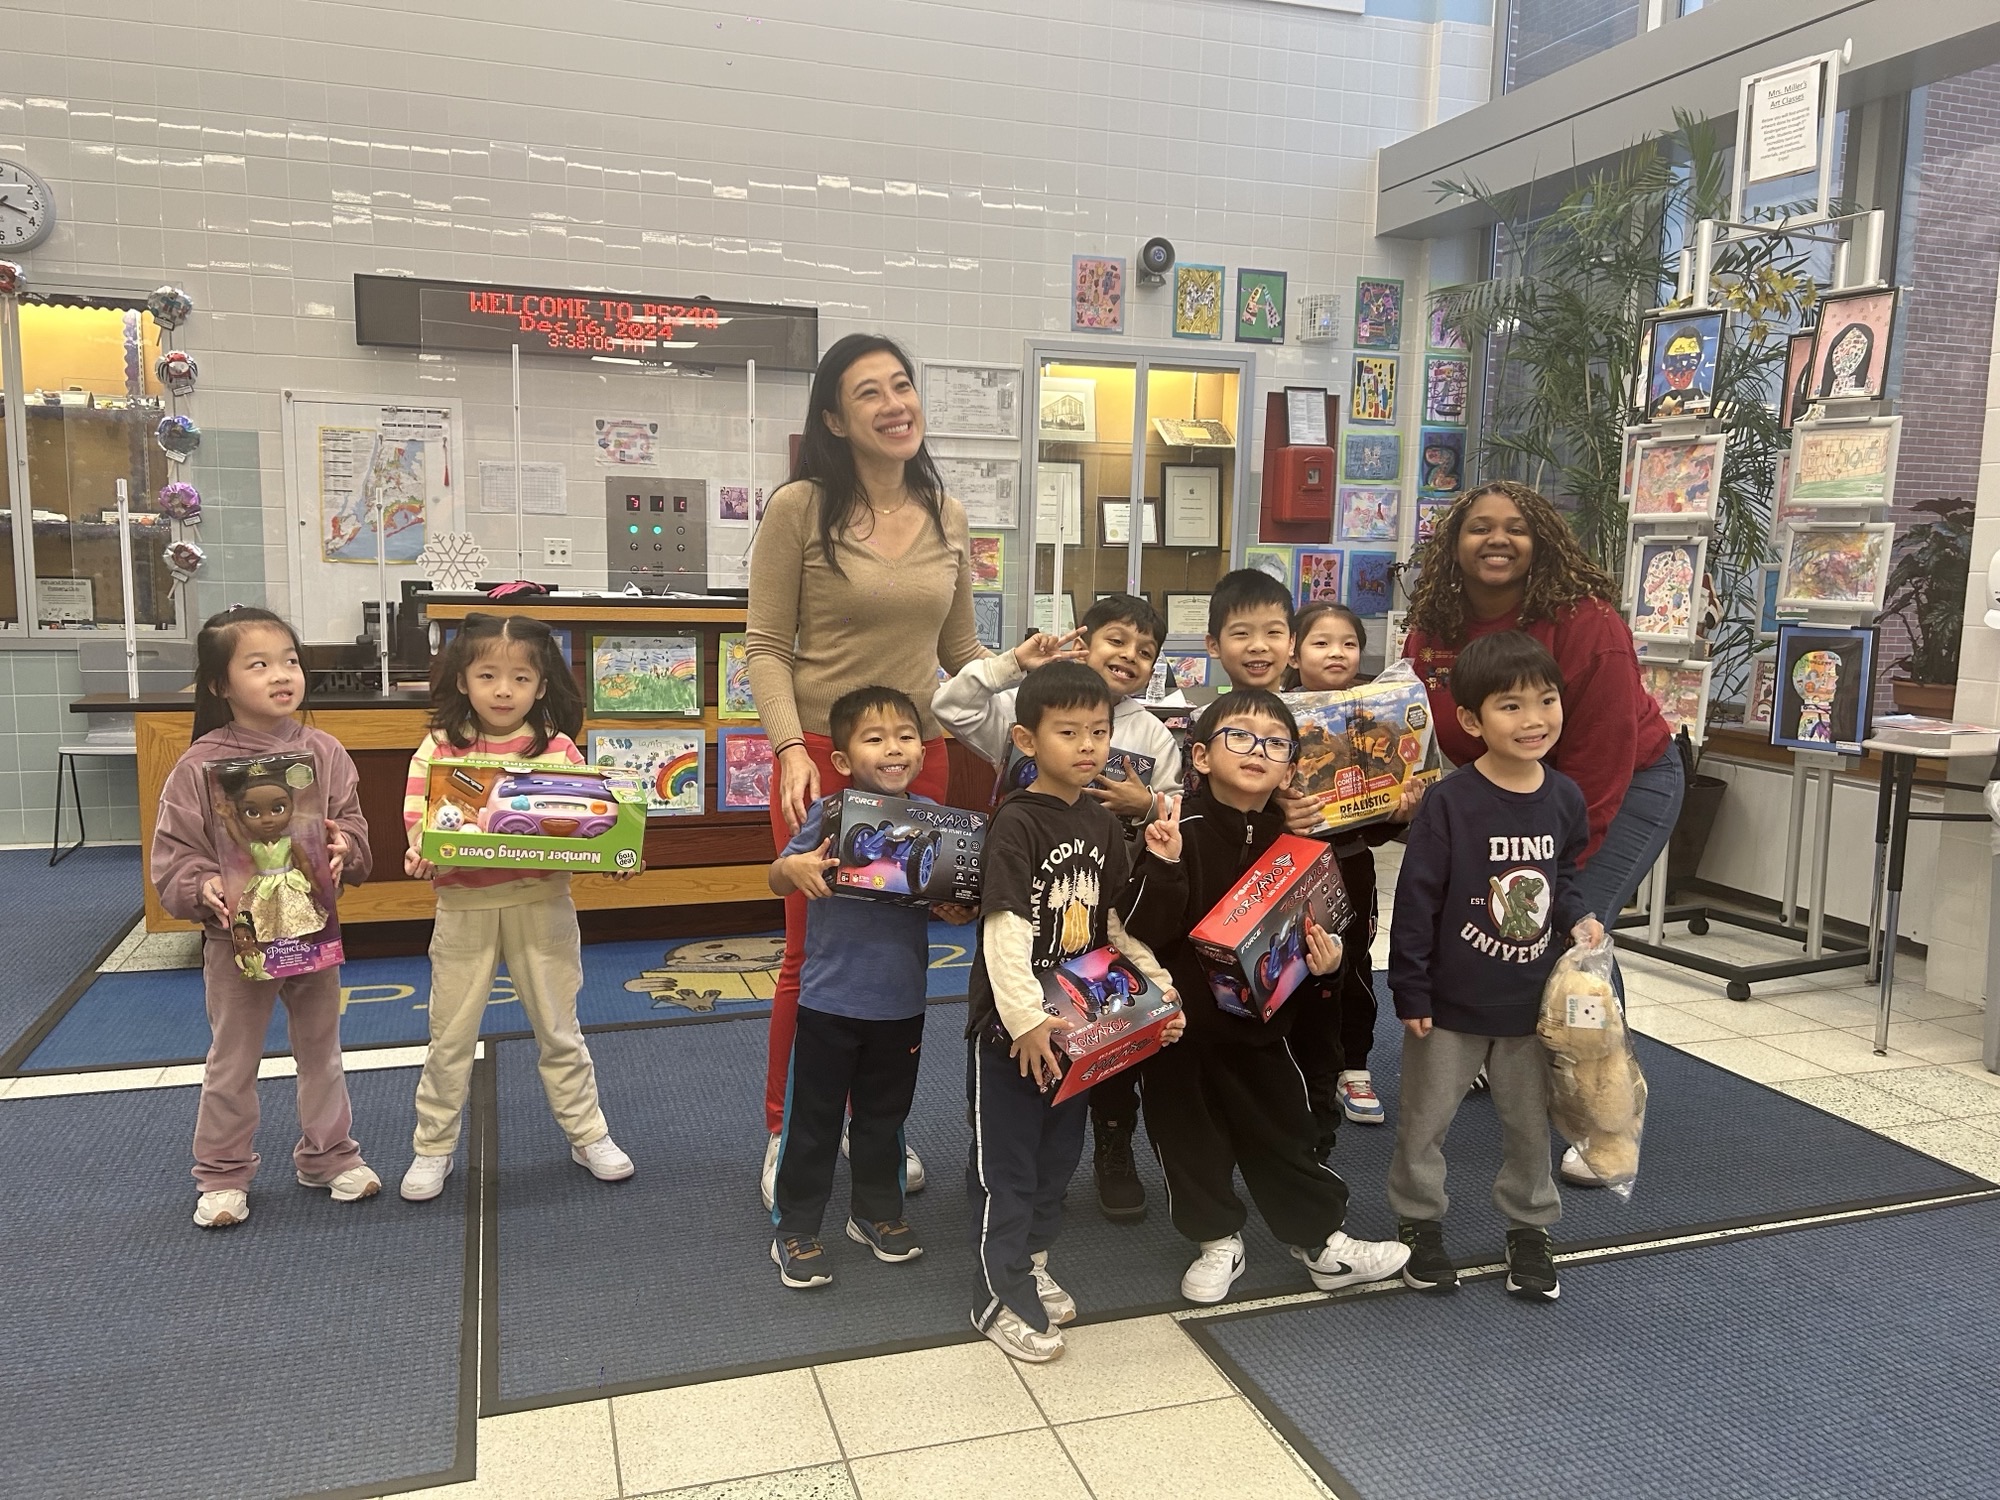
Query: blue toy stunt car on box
x=1288 y=945
x=914 y=849
x=905 y=849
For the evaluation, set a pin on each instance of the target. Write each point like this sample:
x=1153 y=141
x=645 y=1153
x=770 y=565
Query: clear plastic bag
x=1597 y=1095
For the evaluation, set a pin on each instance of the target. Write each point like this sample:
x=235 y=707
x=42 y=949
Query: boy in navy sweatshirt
x=1487 y=888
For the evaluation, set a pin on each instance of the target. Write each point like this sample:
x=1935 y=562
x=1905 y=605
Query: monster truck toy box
x=1115 y=1016
x=905 y=850
x=487 y=813
x=1360 y=746
x=1253 y=943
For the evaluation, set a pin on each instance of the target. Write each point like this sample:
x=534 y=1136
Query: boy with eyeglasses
x=1231 y=1097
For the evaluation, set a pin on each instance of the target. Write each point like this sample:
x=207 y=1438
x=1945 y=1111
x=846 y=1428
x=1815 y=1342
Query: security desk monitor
x=656 y=534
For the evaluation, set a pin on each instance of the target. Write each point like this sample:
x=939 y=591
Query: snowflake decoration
x=452 y=561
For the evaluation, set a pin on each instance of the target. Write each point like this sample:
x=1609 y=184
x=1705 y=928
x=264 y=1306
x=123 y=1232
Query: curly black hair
x=1562 y=573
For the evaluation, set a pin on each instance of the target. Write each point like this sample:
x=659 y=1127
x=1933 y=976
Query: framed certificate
x=975 y=401
x=1187 y=616
x=1193 y=503
x=1114 y=521
x=1058 y=503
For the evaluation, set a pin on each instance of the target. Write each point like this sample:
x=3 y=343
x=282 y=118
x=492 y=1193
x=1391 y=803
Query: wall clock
x=27 y=208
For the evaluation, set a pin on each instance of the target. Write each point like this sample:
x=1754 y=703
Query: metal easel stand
x=1822 y=954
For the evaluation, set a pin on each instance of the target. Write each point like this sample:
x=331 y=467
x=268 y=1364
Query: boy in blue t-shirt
x=1486 y=893
x=861 y=1013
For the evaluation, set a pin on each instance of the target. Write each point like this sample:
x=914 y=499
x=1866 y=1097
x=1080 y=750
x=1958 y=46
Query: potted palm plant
x=1927 y=593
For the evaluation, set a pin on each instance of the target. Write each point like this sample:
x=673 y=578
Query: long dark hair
x=827 y=461
x=1306 y=618
x=1560 y=573
x=214 y=649
x=558 y=711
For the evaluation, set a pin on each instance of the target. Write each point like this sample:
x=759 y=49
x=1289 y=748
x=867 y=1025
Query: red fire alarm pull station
x=1303 y=486
x=1299 y=466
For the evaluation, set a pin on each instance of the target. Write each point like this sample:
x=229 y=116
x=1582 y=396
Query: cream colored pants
x=544 y=956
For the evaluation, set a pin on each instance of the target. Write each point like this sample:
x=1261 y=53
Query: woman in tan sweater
x=861 y=575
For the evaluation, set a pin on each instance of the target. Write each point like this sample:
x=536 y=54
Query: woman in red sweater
x=1505 y=559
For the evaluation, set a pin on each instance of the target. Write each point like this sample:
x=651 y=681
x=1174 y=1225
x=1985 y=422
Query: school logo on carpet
x=699 y=974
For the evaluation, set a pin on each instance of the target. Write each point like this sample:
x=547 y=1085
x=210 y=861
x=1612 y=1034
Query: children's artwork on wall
x=986 y=619
x=1442 y=470
x=1319 y=576
x=1096 y=294
x=1446 y=382
x=744 y=770
x=1260 y=307
x=1825 y=681
x=988 y=552
x=1634 y=436
x=1395 y=634
x=1665 y=580
x=1678 y=476
x=668 y=762
x=1680 y=690
x=645 y=674
x=1378 y=313
x=1373 y=457
x=1371 y=582
x=1067 y=412
x=1367 y=515
x=1680 y=376
x=1761 y=691
x=1430 y=515
x=1844 y=463
x=1439 y=333
x=1372 y=397
x=732 y=678
x=1850 y=354
x=1197 y=302
x=1186 y=671
x=1275 y=561
x=1793 y=397
x=1836 y=565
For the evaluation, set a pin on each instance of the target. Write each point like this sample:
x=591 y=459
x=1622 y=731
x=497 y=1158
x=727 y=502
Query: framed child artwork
x=1792 y=397
x=1373 y=457
x=1378 y=313
x=1665 y=582
x=1260 y=307
x=1680 y=372
x=1319 y=575
x=1197 y=302
x=1430 y=514
x=743 y=775
x=1844 y=463
x=1446 y=382
x=986 y=619
x=732 y=678
x=1366 y=515
x=1441 y=467
x=668 y=763
x=1440 y=332
x=1629 y=471
x=1825 y=680
x=1678 y=476
x=1373 y=393
x=1850 y=353
x=1760 y=691
x=1680 y=689
x=988 y=551
x=1836 y=565
x=645 y=675
x=1185 y=670
x=1274 y=561
x=1371 y=582
x=1096 y=294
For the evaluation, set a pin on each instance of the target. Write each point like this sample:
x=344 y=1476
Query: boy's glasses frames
x=1277 y=747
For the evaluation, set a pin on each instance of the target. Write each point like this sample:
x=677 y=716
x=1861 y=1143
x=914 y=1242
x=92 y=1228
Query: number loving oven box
x=907 y=851
x=1117 y=1015
x=1253 y=943
x=1359 y=747
x=487 y=813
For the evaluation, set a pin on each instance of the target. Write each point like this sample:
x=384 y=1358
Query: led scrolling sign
x=408 y=313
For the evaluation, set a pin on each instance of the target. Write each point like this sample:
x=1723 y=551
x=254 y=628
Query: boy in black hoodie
x=1231 y=1096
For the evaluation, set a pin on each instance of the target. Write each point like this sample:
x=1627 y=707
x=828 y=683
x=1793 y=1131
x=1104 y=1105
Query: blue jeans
x=1638 y=832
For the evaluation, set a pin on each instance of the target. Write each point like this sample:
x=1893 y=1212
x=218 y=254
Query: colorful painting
x=1678 y=476
x=1096 y=294
x=744 y=770
x=1318 y=575
x=1761 y=692
x=1680 y=690
x=1439 y=332
x=1378 y=313
x=1260 y=307
x=1367 y=515
x=1844 y=463
x=986 y=619
x=732 y=678
x=1634 y=436
x=1793 y=399
x=667 y=761
x=988 y=550
x=732 y=502
x=1185 y=671
x=1836 y=565
x=1430 y=515
x=1198 y=302
x=1274 y=561
x=1446 y=383
x=1373 y=457
x=1665 y=581
x=1680 y=376
x=1850 y=354
x=1825 y=682
x=645 y=674
x=1373 y=394
x=1371 y=582
x=1442 y=471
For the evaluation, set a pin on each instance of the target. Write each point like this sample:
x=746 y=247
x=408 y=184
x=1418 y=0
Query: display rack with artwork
x=1836 y=566
x=1664 y=577
x=1678 y=478
x=1844 y=463
x=1680 y=690
x=1825 y=684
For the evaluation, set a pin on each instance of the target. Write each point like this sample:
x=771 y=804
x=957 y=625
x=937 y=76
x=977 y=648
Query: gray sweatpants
x=1437 y=1070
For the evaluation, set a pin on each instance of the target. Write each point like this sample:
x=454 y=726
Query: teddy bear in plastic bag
x=1597 y=1095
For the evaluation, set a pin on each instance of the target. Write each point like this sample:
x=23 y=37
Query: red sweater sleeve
x=1610 y=726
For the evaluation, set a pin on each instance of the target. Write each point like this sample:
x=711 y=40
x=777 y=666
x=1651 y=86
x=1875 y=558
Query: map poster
x=370 y=476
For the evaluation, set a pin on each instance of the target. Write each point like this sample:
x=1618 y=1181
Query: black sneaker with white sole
x=1429 y=1268
x=801 y=1261
x=1121 y=1196
x=1531 y=1267
x=889 y=1239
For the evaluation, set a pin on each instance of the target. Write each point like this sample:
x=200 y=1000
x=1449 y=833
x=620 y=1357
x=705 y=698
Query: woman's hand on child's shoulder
x=1163 y=834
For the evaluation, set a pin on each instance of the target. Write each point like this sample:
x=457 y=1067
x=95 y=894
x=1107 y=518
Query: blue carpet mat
x=130 y=1019
x=683 y=1101
x=1851 y=1359
x=315 y=1348
x=58 y=922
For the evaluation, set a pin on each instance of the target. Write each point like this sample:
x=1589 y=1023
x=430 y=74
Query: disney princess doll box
x=485 y=812
x=269 y=814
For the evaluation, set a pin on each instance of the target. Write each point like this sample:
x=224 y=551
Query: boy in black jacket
x=1487 y=888
x=1231 y=1096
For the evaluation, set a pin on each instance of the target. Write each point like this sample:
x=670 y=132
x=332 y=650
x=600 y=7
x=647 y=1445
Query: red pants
x=933 y=782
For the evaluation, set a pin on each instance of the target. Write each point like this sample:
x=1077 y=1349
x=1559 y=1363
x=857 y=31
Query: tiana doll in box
x=257 y=807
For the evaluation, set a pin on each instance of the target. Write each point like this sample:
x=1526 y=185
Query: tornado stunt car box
x=1359 y=746
x=906 y=851
x=1116 y=1016
x=483 y=812
x=1253 y=943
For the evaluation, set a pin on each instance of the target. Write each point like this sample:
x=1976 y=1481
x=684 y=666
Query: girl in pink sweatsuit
x=248 y=685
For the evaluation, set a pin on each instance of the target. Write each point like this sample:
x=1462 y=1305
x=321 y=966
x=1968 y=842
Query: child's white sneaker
x=1018 y=1341
x=425 y=1179
x=220 y=1209
x=1345 y=1261
x=357 y=1182
x=603 y=1160
x=1057 y=1303
x=769 y=1181
x=1214 y=1271
x=913 y=1167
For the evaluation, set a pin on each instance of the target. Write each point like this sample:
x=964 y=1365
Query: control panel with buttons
x=656 y=534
